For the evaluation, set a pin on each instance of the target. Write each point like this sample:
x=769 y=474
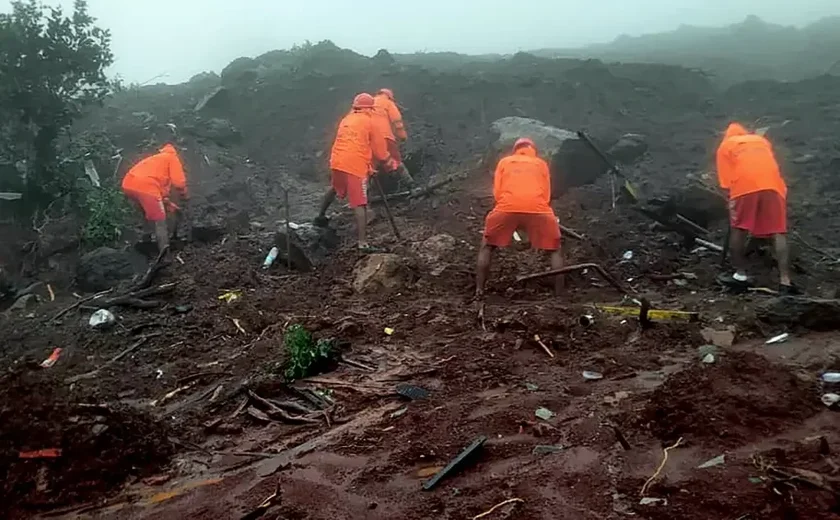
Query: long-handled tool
x=614 y=170
x=387 y=207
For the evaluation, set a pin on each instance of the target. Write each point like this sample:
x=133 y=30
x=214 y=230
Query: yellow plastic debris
x=230 y=296
x=389 y=331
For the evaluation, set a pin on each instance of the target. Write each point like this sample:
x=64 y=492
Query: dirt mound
x=100 y=446
x=739 y=398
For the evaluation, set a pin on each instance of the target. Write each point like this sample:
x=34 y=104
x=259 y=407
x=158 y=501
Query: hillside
x=752 y=49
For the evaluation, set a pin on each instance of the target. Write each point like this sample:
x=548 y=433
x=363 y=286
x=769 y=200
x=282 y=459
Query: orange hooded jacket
x=746 y=164
x=522 y=183
x=388 y=118
x=357 y=144
x=157 y=175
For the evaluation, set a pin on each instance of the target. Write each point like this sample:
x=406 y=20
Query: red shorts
x=394 y=150
x=151 y=204
x=542 y=228
x=350 y=187
x=762 y=213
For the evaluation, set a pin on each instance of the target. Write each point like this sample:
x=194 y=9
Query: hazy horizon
x=157 y=41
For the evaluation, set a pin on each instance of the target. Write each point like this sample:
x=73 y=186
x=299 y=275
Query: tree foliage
x=52 y=66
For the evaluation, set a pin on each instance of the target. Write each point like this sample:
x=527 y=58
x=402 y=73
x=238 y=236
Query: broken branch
x=661 y=466
x=497 y=506
x=579 y=267
x=129 y=350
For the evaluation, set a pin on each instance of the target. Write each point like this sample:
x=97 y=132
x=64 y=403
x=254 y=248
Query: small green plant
x=304 y=355
x=105 y=210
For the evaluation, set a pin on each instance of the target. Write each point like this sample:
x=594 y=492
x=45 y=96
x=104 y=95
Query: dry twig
x=661 y=466
x=497 y=506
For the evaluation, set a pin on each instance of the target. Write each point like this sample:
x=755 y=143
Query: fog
x=170 y=41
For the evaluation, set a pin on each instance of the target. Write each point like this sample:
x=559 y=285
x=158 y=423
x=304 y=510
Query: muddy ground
x=164 y=430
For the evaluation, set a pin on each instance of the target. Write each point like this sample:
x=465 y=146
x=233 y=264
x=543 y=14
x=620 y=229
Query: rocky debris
x=572 y=161
x=104 y=268
x=381 y=272
x=25 y=303
x=811 y=313
x=216 y=99
x=219 y=130
x=629 y=148
x=719 y=338
x=310 y=245
x=437 y=247
x=699 y=204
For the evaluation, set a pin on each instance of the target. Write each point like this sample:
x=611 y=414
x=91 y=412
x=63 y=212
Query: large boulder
x=309 y=246
x=381 y=272
x=572 y=162
x=104 y=268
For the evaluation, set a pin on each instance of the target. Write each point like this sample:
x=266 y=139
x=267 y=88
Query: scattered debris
x=230 y=296
x=51 y=292
x=650 y=501
x=619 y=436
x=51 y=360
x=547 y=449
x=456 y=464
x=592 y=376
x=658 y=471
x=48 y=453
x=531 y=387
x=102 y=319
x=497 y=506
x=587 y=320
x=270 y=501
x=399 y=413
x=414 y=393
x=389 y=331
x=651 y=314
x=129 y=350
x=616 y=398
x=709 y=359
x=544 y=413
x=720 y=460
x=543 y=346
x=627 y=256
x=830 y=399
x=781 y=338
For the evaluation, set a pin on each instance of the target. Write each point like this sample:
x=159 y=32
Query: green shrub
x=305 y=356
x=105 y=211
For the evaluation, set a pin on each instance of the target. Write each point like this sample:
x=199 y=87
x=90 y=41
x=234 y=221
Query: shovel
x=627 y=187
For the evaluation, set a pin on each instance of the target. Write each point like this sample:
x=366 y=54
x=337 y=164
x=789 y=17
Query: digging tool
x=387 y=207
x=579 y=267
x=614 y=170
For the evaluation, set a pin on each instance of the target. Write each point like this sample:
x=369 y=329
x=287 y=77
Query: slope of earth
x=179 y=375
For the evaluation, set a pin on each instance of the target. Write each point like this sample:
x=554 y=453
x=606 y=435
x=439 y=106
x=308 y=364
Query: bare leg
x=329 y=198
x=783 y=257
x=361 y=224
x=162 y=235
x=482 y=269
x=737 y=244
x=557 y=263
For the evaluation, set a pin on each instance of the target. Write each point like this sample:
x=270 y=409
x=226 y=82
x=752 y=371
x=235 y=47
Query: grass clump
x=304 y=355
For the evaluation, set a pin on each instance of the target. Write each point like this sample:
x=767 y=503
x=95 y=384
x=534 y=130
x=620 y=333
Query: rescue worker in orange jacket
x=522 y=191
x=149 y=184
x=358 y=148
x=390 y=123
x=747 y=168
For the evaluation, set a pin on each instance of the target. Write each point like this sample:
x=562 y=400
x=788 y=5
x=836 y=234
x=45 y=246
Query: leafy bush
x=52 y=66
x=305 y=356
x=105 y=211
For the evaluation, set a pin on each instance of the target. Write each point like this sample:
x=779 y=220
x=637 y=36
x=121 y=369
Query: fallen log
x=579 y=267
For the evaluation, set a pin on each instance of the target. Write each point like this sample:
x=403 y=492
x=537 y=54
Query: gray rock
x=25 y=303
x=571 y=160
x=104 y=268
x=437 y=247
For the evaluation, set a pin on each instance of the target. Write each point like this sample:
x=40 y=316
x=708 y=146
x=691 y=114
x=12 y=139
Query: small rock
x=720 y=460
x=719 y=338
x=705 y=350
x=592 y=376
x=544 y=413
x=830 y=399
x=102 y=319
x=436 y=247
x=709 y=359
x=531 y=387
x=650 y=501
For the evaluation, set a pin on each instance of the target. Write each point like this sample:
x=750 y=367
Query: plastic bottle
x=270 y=257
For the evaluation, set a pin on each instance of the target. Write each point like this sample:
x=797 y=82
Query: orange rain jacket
x=746 y=164
x=157 y=175
x=522 y=183
x=388 y=118
x=357 y=144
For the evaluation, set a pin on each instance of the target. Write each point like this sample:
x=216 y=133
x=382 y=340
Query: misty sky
x=174 y=39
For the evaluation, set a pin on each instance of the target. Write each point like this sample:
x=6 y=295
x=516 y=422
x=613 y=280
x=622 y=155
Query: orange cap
x=523 y=141
x=363 y=100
